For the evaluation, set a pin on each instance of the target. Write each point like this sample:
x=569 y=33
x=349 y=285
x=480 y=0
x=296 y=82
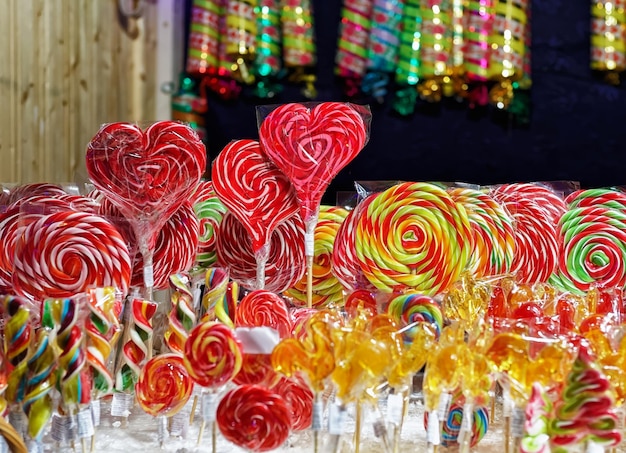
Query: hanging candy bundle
x=608 y=37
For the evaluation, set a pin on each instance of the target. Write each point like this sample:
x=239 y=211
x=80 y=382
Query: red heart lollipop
x=147 y=174
x=311 y=146
x=253 y=189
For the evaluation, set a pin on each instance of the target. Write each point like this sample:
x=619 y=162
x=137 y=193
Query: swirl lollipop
x=147 y=175
x=412 y=309
x=310 y=146
x=299 y=397
x=163 y=387
x=254 y=418
x=263 y=308
x=256 y=192
x=210 y=211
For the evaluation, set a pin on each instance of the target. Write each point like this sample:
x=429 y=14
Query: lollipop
x=299 y=399
x=216 y=287
x=285 y=264
x=536 y=426
x=23 y=191
x=326 y=287
x=536 y=211
x=182 y=317
x=257 y=369
x=175 y=249
x=18 y=332
x=264 y=308
x=413 y=236
x=413 y=308
x=212 y=354
x=310 y=146
x=256 y=192
x=147 y=174
x=66 y=253
x=210 y=211
x=492 y=231
x=163 y=387
x=254 y=418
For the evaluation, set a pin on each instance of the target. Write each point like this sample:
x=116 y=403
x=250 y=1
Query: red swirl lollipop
x=257 y=369
x=42 y=189
x=147 y=175
x=256 y=192
x=164 y=386
x=212 y=354
x=254 y=418
x=285 y=264
x=299 y=397
x=66 y=253
x=264 y=308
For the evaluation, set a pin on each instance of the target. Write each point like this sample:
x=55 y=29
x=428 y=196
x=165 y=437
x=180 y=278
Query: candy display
x=413 y=236
x=326 y=287
x=164 y=386
x=254 y=418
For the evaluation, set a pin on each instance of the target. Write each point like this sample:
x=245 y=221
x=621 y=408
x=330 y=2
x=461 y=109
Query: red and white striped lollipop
x=66 y=253
x=256 y=192
x=285 y=264
x=264 y=308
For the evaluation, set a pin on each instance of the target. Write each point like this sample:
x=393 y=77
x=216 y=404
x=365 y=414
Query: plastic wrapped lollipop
x=256 y=192
x=213 y=357
x=163 y=388
x=310 y=146
x=182 y=317
x=147 y=174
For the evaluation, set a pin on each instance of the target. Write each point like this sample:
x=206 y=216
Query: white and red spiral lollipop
x=210 y=211
x=256 y=192
x=285 y=265
x=66 y=253
x=264 y=308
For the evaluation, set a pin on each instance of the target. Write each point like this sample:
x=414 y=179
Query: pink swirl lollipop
x=256 y=192
x=285 y=264
x=264 y=308
x=66 y=253
x=164 y=386
x=311 y=145
x=147 y=175
x=254 y=418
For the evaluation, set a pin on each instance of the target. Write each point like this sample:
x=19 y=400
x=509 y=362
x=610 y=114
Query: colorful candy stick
x=351 y=58
x=241 y=30
x=436 y=47
x=202 y=53
x=136 y=349
x=409 y=50
x=215 y=288
x=182 y=317
x=608 y=37
x=18 y=334
x=299 y=48
x=268 y=61
x=42 y=363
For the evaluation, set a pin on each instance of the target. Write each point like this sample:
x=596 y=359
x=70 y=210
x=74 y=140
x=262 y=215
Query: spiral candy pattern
x=209 y=211
x=608 y=198
x=326 y=287
x=18 y=333
x=492 y=228
x=264 y=308
x=299 y=398
x=452 y=423
x=416 y=308
x=413 y=236
x=254 y=418
x=66 y=253
x=101 y=327
x=212 y=355
x=182 y=317
x=285 y=264
x=164 y=386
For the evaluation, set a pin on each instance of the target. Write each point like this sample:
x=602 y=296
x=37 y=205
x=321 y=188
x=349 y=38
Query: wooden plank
x=8 y=170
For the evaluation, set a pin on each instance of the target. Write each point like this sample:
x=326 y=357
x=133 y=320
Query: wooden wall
x=67 y=67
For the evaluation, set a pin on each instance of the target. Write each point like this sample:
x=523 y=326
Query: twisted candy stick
x=413 y=236
x=136 y=351
x=66 y=253
x=101 y=328
x=62 y=314
x=41 y=380
x=492 y=230
x=18 y=333
x=326 y=287
x=210 y=211
x=182 y=317
x=536 y=427
x=216 y=286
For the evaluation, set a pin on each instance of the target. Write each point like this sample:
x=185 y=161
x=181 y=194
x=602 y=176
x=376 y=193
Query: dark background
x=577 y=128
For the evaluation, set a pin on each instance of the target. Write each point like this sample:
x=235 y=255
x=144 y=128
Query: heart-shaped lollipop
x=311 y=146
x=252 y=188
